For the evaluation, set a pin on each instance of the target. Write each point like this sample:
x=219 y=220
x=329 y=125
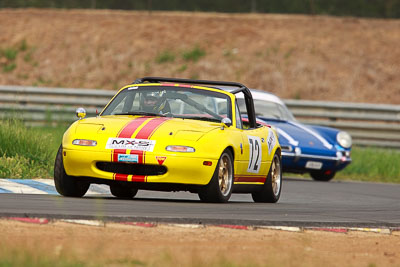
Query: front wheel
x=271 y=191
x=126 y=192
x=67 y=185
x=220 y=187
x=323 y=176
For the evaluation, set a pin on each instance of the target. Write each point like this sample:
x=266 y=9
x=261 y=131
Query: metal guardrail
x=368 y=124
x=38 y=106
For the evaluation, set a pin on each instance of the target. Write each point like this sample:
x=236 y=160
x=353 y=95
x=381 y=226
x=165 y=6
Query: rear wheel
x=121 y=191
x=220 y=187
x=67 y=185
x=272 y=187
x=324 y=176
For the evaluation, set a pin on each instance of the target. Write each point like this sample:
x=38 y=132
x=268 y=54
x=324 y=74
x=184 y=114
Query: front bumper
x=293 y=162
x=180 y=167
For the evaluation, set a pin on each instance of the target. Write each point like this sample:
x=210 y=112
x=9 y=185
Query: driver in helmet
x=155 y=102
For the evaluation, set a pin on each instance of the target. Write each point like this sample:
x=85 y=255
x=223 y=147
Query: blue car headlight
x=344 y=139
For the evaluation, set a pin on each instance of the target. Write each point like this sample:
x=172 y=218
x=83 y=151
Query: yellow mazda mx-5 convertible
x=170 y=135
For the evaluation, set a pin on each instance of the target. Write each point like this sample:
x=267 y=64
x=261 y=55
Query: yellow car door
x=256 y=151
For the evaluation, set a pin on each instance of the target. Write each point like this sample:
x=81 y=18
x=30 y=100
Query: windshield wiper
x=198 y=118
x=140 y=113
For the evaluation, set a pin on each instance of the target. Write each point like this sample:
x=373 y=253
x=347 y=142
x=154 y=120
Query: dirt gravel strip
x=148 y=243
x=97 y=223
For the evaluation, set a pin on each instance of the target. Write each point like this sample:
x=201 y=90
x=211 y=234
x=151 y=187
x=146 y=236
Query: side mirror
x=226 y=122
x=80 y=113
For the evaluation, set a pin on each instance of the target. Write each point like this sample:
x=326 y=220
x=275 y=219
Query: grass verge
x=27 y=152
x=369 y=164
x=373 y=164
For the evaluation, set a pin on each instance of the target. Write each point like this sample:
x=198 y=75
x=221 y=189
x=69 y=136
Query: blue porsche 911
x=319 y=151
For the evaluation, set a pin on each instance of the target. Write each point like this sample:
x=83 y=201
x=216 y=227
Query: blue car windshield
x=269 y=110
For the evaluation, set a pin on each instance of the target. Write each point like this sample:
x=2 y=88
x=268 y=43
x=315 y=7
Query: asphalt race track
x=303 y=203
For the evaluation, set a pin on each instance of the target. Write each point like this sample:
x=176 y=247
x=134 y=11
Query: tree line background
x=358 y=8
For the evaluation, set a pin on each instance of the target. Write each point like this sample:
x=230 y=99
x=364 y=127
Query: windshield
x=171 y=101
x=268 y=109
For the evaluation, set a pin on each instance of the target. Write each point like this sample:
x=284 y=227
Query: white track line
x=19 y=188
x=94 y=189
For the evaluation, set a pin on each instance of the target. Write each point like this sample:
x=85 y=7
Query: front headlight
x=344 y=139
x=186 y=149
x=84 y=142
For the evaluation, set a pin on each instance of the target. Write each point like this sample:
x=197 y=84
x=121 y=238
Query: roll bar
x=240 y=88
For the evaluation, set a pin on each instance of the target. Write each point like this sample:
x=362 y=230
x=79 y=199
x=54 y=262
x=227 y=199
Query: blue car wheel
x=324 y=176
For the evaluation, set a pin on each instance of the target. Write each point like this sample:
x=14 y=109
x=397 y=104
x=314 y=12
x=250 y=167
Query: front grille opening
x=134 y=169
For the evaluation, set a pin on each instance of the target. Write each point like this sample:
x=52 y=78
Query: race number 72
x=255 y=154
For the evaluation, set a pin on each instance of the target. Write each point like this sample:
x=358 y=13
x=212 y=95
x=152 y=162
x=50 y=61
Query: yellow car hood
x=143 y=127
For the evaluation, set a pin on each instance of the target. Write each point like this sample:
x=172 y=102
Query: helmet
x=153 y=101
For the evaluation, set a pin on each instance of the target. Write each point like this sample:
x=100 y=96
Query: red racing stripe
x=150 y=127
x=145 y=133
x=138 y=178
x=121 y=177
x=124 y=177
x=249 y=179
x=127 y=132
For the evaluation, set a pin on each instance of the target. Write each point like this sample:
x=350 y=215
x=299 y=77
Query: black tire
x=219 y=189
x=271 y=191
x=66 y=185
x=120 y=191
x=322 y=176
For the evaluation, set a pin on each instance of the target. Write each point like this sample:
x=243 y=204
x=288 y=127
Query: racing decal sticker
x=161 y=160
x=146 y=132
x=271 y=142
x=127 y=134
x=129 y=143
x=128 y=158
x=255 y=154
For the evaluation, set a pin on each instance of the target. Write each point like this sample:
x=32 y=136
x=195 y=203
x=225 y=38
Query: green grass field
x=29 y=152
x=374 y=165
